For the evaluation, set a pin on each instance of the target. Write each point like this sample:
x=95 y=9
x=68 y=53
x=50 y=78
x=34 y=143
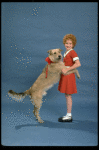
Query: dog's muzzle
x=59 y=57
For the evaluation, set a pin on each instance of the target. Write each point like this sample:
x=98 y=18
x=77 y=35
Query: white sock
x=69 y=114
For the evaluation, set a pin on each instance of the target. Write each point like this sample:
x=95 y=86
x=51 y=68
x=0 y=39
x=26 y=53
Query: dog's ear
x=50 y=51
x=60 y=50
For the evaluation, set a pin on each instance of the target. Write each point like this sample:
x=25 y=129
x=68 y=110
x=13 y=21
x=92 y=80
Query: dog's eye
x=54 y=52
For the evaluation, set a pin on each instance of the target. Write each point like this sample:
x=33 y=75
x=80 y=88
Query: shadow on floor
x=86 y=125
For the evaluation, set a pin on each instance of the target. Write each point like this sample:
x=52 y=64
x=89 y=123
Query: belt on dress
x=67 y=66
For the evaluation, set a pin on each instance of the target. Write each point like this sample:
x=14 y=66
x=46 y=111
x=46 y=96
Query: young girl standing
x=67 y=83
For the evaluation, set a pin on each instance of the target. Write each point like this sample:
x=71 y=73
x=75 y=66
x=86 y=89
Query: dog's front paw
x=44 y=93
x=78 y=76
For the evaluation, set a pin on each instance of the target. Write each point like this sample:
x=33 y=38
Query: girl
x=67 y=83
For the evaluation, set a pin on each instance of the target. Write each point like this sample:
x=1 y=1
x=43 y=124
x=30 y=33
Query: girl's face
x=68 y=45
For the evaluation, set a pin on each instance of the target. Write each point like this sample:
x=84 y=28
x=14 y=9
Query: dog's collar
x=49 y=62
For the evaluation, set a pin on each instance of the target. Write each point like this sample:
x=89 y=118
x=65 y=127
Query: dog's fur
x=42 y=84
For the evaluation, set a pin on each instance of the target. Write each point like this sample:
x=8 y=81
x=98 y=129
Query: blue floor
x=29 y=30
x=20 y=128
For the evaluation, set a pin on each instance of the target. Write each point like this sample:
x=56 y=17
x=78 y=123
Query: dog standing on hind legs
x=49 y=76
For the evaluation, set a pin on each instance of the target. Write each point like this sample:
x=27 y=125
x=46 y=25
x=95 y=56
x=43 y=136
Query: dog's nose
x=59 y=56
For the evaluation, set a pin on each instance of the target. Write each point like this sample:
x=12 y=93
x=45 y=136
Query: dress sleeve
x=74 y=55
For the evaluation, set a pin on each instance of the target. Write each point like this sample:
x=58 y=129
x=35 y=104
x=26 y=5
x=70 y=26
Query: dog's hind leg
x=36 y=113
x=37 y=102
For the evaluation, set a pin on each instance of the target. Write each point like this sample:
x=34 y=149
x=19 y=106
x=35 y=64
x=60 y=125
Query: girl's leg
x=68 y=117
x=69 y=102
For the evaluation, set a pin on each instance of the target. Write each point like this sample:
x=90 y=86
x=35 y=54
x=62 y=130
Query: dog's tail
x=18 y=96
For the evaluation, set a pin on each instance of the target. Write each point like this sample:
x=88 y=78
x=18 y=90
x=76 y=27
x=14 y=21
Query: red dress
x=67 y=83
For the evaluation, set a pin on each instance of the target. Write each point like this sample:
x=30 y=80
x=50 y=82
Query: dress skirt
x=67 y=84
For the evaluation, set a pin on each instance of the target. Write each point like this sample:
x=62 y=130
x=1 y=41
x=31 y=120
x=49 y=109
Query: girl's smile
x=68 y=45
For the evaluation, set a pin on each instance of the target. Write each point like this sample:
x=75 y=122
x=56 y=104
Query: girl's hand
x=64 y=71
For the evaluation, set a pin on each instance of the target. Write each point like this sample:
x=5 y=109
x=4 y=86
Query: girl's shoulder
x=73 y=52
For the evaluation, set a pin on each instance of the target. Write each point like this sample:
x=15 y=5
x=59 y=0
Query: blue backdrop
x=28 y=31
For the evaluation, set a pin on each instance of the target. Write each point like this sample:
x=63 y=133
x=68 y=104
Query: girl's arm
x=76 y=65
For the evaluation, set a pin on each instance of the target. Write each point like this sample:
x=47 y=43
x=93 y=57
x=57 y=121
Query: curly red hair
x=70 y=37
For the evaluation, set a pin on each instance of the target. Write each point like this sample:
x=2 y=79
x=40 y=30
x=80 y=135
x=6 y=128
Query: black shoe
x=65 y=120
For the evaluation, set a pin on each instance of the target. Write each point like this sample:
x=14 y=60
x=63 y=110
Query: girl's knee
x=67 y=95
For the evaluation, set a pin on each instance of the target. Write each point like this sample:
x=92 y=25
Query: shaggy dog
x=49 y=76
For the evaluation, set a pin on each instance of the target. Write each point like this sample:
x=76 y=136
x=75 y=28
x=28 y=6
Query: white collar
x=67 y=52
